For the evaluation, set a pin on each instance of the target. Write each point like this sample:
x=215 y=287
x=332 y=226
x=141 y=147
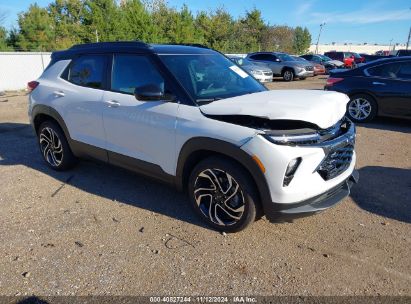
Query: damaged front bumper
x=288 y=212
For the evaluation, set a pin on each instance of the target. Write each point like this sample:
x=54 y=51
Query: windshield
x=356 y=55
x=325 y=58
x=209 y=77
x=284 y=57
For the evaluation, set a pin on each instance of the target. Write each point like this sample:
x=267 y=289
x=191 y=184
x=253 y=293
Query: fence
x=18 y=68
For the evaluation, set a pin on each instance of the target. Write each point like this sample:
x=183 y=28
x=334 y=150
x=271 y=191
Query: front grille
x=268 y=73
x=337 y=161
x=309 y=68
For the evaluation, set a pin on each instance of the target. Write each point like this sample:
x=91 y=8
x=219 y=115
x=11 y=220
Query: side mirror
x=152 y=92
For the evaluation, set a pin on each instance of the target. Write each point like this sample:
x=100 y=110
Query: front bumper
x=305 y=73
x=328 y=199
x=321 y=172
x=264 y=78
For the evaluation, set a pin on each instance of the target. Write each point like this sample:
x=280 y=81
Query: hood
x=336 y=62
x=322 y=108
x=254 y=67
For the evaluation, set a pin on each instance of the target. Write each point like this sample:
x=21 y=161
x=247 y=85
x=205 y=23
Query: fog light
x=291 y=169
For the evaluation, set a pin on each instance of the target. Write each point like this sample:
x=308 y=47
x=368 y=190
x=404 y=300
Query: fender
x=49 y=111
x=207 y=144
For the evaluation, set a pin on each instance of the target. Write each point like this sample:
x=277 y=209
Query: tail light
x=331 y=81
x=32 y=85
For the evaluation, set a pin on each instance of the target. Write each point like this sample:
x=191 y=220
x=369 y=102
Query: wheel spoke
x=212 y=177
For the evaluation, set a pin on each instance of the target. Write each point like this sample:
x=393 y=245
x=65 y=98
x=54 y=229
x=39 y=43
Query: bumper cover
x=288 y=212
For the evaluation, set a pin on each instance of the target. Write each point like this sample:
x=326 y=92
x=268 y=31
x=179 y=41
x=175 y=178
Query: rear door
x=139 y=134
x=79 y=99
x=391 y=83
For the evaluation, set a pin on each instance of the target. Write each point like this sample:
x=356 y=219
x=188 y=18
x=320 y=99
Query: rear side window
x=131 y=71
x=87 y=71
x=392 y=70
x=266 y=57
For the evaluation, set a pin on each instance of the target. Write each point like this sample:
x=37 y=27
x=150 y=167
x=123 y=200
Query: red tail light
x=32 y=85
x=331 y=81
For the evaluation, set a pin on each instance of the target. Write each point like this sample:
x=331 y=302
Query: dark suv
x=346 y=57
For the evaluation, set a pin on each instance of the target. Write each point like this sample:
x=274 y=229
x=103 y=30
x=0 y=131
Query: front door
x=139 y=132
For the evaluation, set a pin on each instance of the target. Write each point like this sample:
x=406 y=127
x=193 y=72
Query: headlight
x=256 y=72
x=293 y=140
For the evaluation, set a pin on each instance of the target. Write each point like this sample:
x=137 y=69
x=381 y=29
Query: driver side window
x=131 y=71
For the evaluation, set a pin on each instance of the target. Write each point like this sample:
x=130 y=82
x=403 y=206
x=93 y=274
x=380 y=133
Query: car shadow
x=18 y=146
x=384 y=191
x=388 y=123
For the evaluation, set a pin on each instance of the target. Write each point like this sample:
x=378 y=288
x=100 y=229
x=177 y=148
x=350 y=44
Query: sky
x=348 y=21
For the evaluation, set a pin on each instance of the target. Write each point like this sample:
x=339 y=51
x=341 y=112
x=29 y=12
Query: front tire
x=223 y=194
x=362 y=108
x=54 y=147
x=288 y=75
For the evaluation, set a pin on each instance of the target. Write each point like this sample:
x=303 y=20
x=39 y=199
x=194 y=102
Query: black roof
x=132 y=47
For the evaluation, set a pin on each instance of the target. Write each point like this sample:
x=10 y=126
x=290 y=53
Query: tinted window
x=392 y=70
x=131 y=71
x=266 y=57
x=87 y=71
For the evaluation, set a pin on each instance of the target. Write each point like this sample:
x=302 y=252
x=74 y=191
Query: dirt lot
x=102 y=230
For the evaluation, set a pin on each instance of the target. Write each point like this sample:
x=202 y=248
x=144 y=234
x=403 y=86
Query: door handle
x=59 y=93
x=113 y=103
x=378 y=83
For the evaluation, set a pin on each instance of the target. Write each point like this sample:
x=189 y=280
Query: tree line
x=66 y=22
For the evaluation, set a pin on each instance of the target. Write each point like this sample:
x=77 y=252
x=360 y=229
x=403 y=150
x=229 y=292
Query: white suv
x=188 y=116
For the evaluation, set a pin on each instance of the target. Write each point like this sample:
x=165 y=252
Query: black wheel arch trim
x=228 y=150
x=49 y=111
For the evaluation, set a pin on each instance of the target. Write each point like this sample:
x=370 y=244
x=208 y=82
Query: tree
x=102 y=20
x=302 y=40
x=248 y=32
x=278 y=38
x=36 y=30
x=68 y=17
x=136 y=22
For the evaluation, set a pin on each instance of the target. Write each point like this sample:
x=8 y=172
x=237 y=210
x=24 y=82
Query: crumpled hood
x=322 y=108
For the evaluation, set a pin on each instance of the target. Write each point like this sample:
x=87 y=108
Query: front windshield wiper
x=201 y=101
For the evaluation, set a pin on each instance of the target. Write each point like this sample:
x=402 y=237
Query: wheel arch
x=197 y=149
x=41 y=113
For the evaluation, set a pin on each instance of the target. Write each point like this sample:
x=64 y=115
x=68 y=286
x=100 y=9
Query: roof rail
x=111 y=44
x=190 y=44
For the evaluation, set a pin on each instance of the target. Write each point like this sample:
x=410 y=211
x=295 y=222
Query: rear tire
x=288 y=75
x=223 y=194
x=362 y=108
x=54 y=146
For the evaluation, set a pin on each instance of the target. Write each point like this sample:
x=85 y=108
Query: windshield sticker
x=239 y=71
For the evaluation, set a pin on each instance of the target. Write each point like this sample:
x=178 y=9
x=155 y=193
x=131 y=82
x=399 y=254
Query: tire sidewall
x=251 y=207
x=373 y=104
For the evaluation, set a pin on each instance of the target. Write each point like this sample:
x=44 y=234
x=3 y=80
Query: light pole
x=409 y=36
x=319 y=34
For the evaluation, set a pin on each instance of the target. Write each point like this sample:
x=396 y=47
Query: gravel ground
x=99 y=230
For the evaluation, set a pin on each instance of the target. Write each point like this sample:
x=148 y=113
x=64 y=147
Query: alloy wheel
x=359 y=108
x=219 y=197
x=288 y=75
x=51 y=147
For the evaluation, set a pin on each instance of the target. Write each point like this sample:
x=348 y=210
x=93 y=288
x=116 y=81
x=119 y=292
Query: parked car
x=261 y=73
x=381 y=87
x=382 y=53
x=357 y=58
x=400 y=53
x=345 y=57
x=369 y=58
x=327 y=62
x=282 y=65
x=189 y=117
x=319 y=69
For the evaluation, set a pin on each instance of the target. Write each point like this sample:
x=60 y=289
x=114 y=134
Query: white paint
x=321 y=108
x=18 y=68
x=367 y=48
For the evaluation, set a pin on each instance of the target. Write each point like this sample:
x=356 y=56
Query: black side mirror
x=152 y=92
